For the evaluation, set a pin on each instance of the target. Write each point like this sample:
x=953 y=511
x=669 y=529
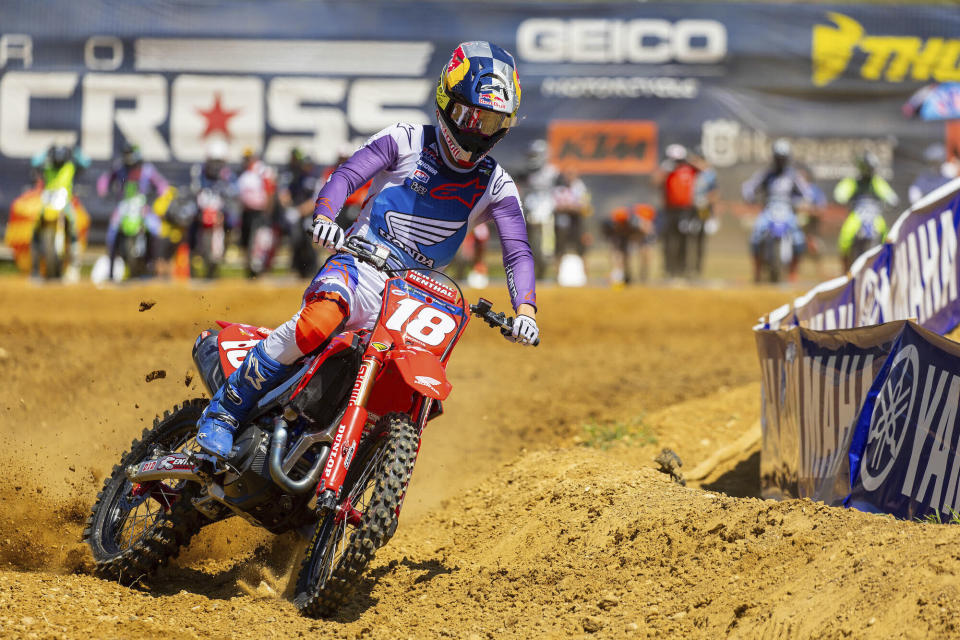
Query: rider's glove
x=525 y=330
x=328 y=234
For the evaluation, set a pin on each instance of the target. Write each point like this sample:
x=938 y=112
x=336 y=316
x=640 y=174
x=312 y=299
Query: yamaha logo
x=889 y=422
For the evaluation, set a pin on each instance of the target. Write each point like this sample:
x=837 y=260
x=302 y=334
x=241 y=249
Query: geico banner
x=904 y=454
x=170 y=76
x=914 y=275
x=813 y=384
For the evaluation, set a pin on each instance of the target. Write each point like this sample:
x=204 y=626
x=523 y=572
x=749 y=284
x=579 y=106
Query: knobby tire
x=170 y=531
x=325 y=594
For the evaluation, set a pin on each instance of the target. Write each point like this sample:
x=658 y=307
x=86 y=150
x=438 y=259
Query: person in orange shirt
x=630 y=229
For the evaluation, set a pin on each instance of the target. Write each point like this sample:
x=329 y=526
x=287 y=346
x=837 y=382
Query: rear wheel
x=134 y=529
x=345 y=541
x=51 y=257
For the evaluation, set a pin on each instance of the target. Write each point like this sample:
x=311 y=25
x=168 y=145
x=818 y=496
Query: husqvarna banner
x=171 y=75
x=904 y=454
x=813 y=385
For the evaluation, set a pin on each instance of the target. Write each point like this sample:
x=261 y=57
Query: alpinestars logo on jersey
x=411 y=232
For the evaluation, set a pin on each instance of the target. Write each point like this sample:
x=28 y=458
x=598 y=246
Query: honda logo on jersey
x=468 y=193
x=411 y=232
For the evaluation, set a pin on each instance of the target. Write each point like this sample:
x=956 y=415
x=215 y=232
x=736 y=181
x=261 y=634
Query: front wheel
x=134 y=529
x=346 y=540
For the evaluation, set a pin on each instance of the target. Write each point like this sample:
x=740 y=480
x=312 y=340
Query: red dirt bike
x=328 y=453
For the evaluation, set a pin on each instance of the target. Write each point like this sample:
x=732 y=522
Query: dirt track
x=511 y=528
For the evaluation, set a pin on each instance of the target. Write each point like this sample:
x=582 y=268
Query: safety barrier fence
x=859 y=388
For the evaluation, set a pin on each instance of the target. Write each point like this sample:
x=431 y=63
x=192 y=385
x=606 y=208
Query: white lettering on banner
x=939 y=456
x=16 y=90
x=16 y=45
x=840 y=317
x=140 y=122
x=620 y=87
x=318 y=114
x=367 y=105
x=832 y=397
x=727 y=143
x=287 y=111
x=924 y=280
x=643 y=41
x=95 y=62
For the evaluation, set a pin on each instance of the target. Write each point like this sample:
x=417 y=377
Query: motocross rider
x=430 y=184
x=867 y=193
x=781 y=186
x=132 y=176
x=58 y=168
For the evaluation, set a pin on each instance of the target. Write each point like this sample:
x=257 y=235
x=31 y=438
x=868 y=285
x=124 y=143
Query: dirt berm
x=534 y=512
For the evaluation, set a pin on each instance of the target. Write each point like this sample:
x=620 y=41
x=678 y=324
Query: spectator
x=296 y=191
x=630 y=229
x=257 y=187
x=942 y=171
x=571 y=207
x=537 y=182
x=677 y=178
x=704 y=201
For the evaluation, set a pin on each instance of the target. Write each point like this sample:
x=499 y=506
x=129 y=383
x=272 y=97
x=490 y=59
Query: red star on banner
x=217 y=118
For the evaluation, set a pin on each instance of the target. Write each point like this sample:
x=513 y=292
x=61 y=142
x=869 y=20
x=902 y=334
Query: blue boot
x=258 y=374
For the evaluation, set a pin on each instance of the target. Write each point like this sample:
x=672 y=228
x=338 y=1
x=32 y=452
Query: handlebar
x=377 y=256
x=484 y=310
x=365 y=251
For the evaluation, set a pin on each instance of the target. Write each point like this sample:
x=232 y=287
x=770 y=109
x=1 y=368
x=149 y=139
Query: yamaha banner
x=813 y=385
x=904 y=454
x=608 y=85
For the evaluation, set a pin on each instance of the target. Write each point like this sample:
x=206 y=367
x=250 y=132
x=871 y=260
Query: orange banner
x=604 y=146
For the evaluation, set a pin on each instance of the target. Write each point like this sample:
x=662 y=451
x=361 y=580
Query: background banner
x=903 y=456
x=168 y=75
x=813 y=385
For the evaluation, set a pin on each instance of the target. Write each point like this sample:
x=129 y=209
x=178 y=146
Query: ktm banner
x=610 y=84
x=612 y=147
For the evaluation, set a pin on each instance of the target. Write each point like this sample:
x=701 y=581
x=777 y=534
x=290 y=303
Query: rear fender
x=422 y=371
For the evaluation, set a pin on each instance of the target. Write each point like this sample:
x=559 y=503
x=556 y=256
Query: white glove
x=326 y=233
x=525 y=330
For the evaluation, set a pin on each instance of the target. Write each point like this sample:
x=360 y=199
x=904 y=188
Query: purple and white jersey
x=421 y=207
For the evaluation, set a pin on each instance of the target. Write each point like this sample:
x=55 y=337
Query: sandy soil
x=534 y=510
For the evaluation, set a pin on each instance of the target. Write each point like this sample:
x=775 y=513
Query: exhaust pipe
x=277 y=445
x=173 y=466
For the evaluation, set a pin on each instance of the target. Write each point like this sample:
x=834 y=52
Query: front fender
x=422 y=371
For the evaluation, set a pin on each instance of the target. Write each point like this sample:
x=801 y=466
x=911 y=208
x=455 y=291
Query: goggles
x=477 y=120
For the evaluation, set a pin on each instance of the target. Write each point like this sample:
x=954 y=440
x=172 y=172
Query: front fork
x=347 y=439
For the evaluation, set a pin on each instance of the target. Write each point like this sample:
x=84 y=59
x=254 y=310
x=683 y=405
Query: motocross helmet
x=478 y=97
x=781 y=152
x=131 y=155
x=867 y=163
x=58 y=155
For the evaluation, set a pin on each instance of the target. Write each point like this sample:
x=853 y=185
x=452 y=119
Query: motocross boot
x=229 y=407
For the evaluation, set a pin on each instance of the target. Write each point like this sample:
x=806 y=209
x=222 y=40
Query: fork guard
x=422 y=371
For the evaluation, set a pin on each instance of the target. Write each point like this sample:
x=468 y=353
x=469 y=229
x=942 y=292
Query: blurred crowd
x=159 y=229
